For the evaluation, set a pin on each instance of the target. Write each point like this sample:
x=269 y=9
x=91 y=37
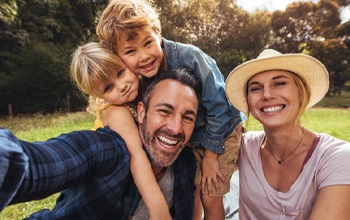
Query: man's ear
x=140 y=112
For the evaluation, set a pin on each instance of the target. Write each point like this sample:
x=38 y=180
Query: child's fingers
x=216 y=184
x=221 y=177
x=209 y=188
x=203 y=184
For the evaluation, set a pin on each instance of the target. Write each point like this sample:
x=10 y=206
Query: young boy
x=131 y=28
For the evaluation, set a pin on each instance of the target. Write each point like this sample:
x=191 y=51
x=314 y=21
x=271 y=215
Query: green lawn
x=335 y=122
x=42 y=127
x=327 y=120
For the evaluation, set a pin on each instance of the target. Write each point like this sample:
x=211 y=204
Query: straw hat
x=307 y=67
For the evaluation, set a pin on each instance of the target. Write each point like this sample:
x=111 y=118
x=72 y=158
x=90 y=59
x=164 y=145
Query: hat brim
x=313 y=71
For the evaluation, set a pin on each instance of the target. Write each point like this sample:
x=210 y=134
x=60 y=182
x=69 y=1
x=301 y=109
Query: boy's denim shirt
x=216 y=117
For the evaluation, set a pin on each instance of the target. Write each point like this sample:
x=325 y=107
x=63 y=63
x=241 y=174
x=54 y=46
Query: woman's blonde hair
x=93 y=62
x=304 y=93
x=127 y=17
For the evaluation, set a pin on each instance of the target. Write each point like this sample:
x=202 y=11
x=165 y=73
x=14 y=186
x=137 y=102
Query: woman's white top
x=328 y=165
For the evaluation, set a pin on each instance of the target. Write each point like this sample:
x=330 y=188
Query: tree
x=314 y=29
x=220 y=28
x=333 y=55
x=240 y=39
x=36 y=42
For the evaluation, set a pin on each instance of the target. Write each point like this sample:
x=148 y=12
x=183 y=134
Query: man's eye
x=164 y=112
x=188 y=119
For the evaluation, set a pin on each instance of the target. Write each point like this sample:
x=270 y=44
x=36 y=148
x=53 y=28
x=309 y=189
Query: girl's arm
x=120 y=119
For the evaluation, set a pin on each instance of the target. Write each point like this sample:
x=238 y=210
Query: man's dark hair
x=181 y=75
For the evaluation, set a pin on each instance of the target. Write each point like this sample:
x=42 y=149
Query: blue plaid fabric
x=91 y=170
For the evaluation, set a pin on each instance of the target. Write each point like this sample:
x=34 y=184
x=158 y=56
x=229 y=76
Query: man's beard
x=159 y=157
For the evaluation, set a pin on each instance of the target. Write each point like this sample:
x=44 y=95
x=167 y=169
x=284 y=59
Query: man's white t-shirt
x=166 y=185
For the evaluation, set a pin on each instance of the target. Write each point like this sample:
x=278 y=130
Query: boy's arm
x=120 y=119
x=220 y=115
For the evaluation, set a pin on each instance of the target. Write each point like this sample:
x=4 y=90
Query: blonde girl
x=112 y=88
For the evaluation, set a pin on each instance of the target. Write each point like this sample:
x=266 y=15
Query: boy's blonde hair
x=128 y=17
x=91 y=62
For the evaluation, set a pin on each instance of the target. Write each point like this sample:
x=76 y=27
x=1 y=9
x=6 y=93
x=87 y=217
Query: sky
x=272 y=5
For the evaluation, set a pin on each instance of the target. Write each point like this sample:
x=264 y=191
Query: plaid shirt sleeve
x=86 y=162
x=13 y=163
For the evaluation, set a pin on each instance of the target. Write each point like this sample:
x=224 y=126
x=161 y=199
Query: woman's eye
x=280 y=83
x=253 y=89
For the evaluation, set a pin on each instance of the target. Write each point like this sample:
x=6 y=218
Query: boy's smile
x=142 y=54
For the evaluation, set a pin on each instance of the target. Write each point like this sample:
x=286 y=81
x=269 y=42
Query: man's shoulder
x=186 y=158
x=108 y=133
x=186 y=152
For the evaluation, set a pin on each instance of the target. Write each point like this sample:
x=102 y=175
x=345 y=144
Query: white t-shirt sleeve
x=334 y=162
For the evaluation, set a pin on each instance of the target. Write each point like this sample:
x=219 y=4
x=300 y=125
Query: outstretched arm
x=13 y=163
x=121 y=120
x=59 y=163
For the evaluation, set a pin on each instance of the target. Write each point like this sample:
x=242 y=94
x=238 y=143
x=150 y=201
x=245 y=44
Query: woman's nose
x=268 y=94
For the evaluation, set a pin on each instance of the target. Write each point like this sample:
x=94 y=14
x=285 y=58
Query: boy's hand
x=210 y=173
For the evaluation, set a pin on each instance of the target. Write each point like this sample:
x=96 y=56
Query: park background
x=37 y=37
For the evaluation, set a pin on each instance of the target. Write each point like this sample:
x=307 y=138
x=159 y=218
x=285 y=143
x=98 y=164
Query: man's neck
x=158 y=171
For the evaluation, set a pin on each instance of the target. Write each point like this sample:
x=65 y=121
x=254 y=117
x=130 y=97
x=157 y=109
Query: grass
x=42 y=127
x=335 y=121
x=335 y=101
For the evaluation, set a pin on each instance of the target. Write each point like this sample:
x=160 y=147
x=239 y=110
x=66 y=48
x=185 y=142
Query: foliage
x=36 y=41
x=315 y=29
x=204 y=24
x=334 y=55
x=37 y=38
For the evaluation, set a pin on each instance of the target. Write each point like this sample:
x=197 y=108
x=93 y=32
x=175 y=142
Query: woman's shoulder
x=253 y=135
x=251 y=139
x=328 y=142
x=331 y=161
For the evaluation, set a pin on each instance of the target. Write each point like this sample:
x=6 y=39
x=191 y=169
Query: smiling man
x=91 y=169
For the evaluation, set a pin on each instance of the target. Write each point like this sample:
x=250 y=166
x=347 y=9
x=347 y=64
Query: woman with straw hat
x=286 y=170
